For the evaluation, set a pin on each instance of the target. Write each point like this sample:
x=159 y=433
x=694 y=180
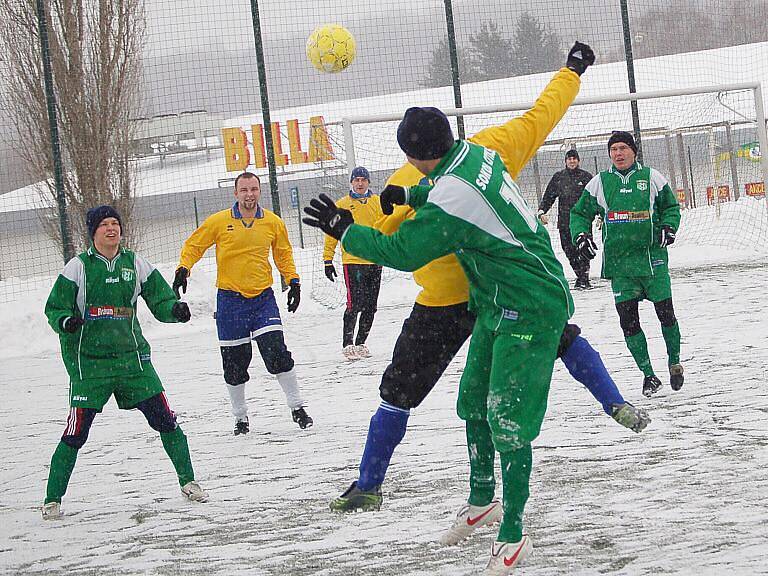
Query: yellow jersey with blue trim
x=242 y=249
x=516 y=141
x=365 y=211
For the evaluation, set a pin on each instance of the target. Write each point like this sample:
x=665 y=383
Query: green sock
x=672 y=340
x=482 y=483
x=515 y=473
x=62 y=464
x=175 y=444
x=639 y=349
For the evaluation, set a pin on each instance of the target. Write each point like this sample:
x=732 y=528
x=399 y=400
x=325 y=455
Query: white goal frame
x=754 y=87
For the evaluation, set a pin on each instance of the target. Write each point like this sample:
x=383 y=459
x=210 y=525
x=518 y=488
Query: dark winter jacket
x=566 y=185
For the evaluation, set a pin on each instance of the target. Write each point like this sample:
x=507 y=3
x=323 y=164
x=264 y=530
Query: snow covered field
x=686 y=496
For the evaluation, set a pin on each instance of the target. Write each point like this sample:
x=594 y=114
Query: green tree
x=491 y=52
x=534 y=47
x=439 y=69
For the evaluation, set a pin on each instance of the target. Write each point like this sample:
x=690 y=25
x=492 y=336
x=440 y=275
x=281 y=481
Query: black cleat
x=355 y=499
x=651 y=385
x=582 y=284
x=301 y=417
x=676 y=377
x=241 y=426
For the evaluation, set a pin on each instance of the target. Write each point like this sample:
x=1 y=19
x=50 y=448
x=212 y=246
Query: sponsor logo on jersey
x=624 y=216
x=657 y=263
x=108 y=313
x=127 y=274
x=642 y=185
x=509 y=314
x=111 y=280
x=230 y=228
x=145 y=358
x=625 y=191
x=78 y=398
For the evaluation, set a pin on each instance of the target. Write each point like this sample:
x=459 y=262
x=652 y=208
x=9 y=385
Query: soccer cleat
x=582 y=284
x=506 y=555
x=192 y=491
x=355 y=499
x=630 y=417
x=362 y=351
x=51 y=511
x=651 y=385
x=469 y=519
x=350 y=352
x=303 y=419
x=242 y=426
x=676 y=376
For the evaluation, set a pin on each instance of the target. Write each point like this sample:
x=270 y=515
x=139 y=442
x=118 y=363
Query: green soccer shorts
x=506 y=381
x=128 y=390
x=654 y=288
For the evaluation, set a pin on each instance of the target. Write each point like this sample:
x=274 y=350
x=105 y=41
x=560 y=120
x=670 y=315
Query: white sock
x=290 y=388
x=237 y=398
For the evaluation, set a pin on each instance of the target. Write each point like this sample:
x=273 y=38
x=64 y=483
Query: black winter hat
x=572 y=154
x=95 y=215
x=425 y=133
x=626 y=137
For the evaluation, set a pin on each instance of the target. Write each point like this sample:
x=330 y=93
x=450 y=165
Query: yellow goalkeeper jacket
x=242 y=250
x=366 y=212
x=443 y=281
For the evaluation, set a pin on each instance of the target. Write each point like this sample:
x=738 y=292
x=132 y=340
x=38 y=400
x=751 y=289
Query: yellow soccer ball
x=331 y=48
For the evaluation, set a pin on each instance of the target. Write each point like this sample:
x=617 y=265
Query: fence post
x=631 y=76
x=453 y=52
x=68 y=247
x=266 y=118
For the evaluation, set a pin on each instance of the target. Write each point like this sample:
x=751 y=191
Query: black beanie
x=425 y=133
x=95 y=215
x=625 y=137
x=572 y=154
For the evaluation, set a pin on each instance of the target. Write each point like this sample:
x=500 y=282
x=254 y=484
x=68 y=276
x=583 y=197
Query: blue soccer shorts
x=239 y=319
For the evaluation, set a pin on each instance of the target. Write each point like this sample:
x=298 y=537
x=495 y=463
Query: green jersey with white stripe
x=634 y=206
x=105 y=292
x=475 y=210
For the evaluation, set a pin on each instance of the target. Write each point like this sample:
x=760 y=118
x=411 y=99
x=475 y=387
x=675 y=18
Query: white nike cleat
x=506 y=555
x=350 y=352
x=362 y=351
x=192 y=491
x=51 y=511
x=469 y=519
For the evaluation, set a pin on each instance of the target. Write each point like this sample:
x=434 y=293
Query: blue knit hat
x=360 y=172
x=425 y=133
x=95 y=215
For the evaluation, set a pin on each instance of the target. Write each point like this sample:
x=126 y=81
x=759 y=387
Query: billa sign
x=238 y=148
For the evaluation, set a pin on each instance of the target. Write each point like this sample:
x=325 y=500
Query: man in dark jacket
x=567 y=185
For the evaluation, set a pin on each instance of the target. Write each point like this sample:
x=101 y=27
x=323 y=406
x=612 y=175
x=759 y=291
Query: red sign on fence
x=723 y=194
x=755 y=189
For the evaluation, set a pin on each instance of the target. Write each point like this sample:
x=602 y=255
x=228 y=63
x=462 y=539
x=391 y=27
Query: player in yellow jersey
x=246 y=308
x=362 y=278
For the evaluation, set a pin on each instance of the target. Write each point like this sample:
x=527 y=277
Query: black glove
x=324 y=214
x=294 y=295
x=390 y=197
x=72 y=324
x=181 y=311
x=330 y=271
x=667 y=236
x=180 y=280
x=580 y=58
x=585 y=246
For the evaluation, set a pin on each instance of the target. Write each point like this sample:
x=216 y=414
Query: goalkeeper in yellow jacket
x=440 y=323
x=361 y=278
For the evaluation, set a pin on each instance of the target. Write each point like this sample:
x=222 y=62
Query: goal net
x=705 y=141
